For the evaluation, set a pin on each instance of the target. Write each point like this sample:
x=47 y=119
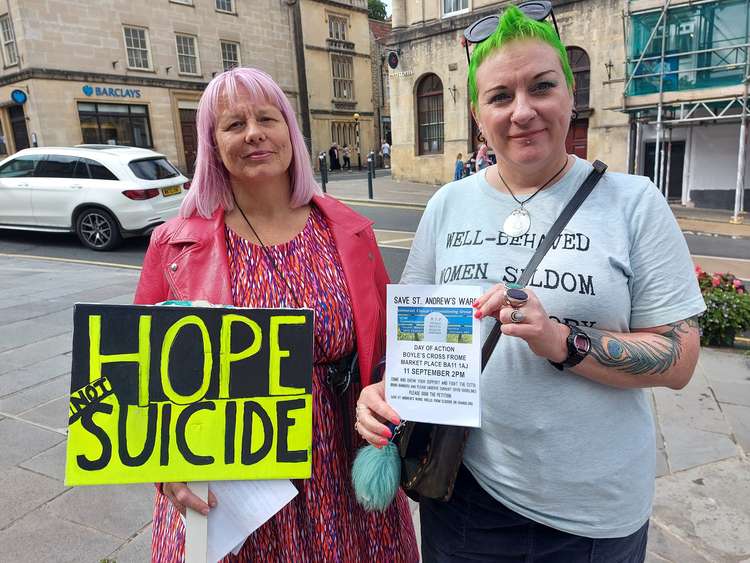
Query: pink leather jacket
x=187 y=260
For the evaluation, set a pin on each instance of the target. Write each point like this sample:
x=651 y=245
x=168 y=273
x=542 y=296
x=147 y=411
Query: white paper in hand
x=243 y=507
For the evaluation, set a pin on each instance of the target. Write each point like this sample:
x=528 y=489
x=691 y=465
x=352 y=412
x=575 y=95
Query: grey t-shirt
x=554 y=446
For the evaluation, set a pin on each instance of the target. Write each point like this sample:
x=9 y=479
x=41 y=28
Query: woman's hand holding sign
x=181 y=497
x=372 y=411
x=526 y=319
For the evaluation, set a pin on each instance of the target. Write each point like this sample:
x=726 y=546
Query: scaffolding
x=733 y=57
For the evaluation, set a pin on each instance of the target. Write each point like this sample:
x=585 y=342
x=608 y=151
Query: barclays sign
x=108 y=92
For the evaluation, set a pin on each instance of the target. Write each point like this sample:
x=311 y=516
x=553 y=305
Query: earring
x=481 y=138
x=574 y=115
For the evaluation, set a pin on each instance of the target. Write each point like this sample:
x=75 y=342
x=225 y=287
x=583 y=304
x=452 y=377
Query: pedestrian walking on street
x=458 y=171
x=562 y=468
x=256 y=231
x=333 y=154
x=470 y=163
x=385 y=150
x=347 y=158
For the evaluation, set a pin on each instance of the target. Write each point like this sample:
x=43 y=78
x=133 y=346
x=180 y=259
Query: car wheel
x=97 y=229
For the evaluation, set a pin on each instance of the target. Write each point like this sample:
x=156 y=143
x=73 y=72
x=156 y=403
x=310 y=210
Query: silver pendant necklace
x=518 y=222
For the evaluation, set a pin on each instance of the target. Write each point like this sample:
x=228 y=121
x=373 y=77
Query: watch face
x=581 y=343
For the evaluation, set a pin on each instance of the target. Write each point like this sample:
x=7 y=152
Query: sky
x=387 y=6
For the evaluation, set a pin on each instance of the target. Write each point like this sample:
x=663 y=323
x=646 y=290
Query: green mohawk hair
x=514 y=25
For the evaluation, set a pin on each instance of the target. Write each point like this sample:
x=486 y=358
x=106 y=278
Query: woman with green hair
x=563 y=466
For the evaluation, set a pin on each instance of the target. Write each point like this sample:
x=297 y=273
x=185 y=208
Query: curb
x=360 y=201
x=712 y=234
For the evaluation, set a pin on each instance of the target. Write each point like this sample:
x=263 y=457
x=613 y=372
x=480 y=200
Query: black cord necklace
x=518 y=222
x=267 y=253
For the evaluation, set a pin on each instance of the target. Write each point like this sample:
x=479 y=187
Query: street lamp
x=359 y=154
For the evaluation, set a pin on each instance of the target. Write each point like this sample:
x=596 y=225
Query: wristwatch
x=579 y=344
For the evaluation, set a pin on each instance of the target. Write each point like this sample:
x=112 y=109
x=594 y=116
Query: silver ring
x=517 y=316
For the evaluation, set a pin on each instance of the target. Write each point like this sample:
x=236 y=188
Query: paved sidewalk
x=702 y=494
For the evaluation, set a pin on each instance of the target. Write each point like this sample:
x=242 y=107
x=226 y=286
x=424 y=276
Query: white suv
x=101 y=192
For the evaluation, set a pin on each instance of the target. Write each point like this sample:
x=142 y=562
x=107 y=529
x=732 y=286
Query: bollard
x=369 y=175
x=323 y=170
x=374 y=163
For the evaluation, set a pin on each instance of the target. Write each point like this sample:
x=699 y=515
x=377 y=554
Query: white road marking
x=71 y=260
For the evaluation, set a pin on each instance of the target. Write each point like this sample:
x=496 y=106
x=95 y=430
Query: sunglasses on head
x=538 y=10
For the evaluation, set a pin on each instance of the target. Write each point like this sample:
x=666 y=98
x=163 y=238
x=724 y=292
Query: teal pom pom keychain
x=376 y=475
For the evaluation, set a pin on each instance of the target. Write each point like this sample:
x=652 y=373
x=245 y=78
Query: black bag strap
x=556 y=228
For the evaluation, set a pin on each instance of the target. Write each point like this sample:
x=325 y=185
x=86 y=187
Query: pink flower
x=715 y=281
x=737 y=283
x=698 y=269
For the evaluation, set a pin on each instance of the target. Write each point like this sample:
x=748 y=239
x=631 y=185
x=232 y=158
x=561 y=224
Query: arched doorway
x=577 y=139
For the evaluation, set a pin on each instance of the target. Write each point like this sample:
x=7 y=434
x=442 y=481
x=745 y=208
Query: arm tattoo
x=654 y=356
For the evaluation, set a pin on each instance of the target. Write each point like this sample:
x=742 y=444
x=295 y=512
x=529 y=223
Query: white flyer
x=243 y=507
x=433 y=354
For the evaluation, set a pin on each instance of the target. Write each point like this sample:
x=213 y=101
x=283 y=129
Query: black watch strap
x=578 y=344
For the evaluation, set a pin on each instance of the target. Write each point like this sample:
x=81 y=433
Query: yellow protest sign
x=189 y=394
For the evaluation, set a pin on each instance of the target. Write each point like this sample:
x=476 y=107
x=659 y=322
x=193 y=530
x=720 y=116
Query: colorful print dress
x=323 y=522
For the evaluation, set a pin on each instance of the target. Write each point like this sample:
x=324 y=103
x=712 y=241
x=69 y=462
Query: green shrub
x=727 y=308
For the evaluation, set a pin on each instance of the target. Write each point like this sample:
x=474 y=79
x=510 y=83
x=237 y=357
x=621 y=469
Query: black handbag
x=431 y=454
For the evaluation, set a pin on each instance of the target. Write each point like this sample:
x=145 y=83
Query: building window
x=579 y=64
x=337 y=27
x=344 y=133
x=704 y=47
x=225 y=6
x=451 y=7
x=430 y=114
x=9 y=41
x=137 y=47
x=186 y=2
x=187 y=54
x=115 y=124
x=342 y=70
x=230 y=54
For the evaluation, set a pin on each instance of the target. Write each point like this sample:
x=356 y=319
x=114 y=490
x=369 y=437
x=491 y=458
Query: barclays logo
x=89 y=90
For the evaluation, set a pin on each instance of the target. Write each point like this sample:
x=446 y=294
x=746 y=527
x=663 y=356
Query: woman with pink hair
x=482 y=158
x=256 y=231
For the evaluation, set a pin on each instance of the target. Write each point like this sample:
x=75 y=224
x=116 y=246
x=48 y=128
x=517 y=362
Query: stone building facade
x=432 y=76
x=338 y=68
x=130 y=72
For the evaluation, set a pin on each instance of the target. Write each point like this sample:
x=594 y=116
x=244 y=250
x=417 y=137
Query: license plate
x=172 y=190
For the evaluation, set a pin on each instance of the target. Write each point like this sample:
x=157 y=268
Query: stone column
x=398 y=14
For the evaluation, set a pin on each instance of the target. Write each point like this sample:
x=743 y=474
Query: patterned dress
x=323 y=522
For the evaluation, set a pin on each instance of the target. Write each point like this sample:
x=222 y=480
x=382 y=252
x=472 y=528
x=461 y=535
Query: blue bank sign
x=111 y=92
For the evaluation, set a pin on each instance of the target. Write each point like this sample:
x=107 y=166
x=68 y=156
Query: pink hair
x=210 y=187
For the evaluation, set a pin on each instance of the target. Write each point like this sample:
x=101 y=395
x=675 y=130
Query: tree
x=376 y=9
